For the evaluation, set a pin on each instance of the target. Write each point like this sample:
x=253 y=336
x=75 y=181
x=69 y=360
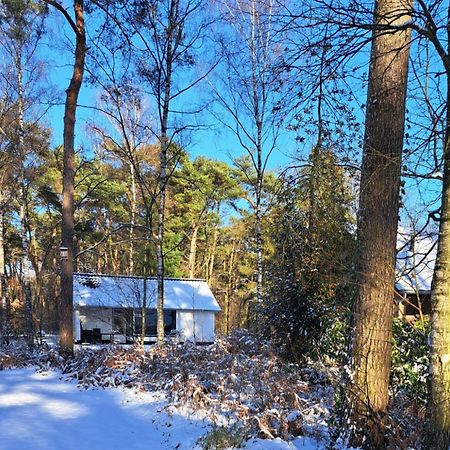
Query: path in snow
x=41 y=411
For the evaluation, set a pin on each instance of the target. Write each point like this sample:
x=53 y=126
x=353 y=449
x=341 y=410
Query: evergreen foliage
x=410 y=358
x=309 y=292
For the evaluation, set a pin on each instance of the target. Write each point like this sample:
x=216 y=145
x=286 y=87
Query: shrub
x=222 y=437
x=410 y=358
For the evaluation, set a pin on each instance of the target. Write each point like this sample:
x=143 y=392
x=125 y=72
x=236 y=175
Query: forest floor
x=234 y=392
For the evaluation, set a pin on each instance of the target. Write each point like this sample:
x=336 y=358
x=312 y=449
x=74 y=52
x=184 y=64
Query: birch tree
x=250 y=94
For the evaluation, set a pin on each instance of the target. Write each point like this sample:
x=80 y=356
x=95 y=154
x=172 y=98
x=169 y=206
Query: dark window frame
x=170 y=322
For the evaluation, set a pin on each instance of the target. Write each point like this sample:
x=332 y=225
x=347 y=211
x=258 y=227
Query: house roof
x=415 y=262
x=115 y=291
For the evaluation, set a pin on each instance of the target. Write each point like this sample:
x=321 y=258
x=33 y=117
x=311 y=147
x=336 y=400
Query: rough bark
x=259 y=250
x=160 y=243
x=437 y=430
x=377 y=224
x=229 y=288
x=67 y=232
x=26 y=275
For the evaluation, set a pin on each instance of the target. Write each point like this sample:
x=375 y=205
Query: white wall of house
x=76 y=326
x=197 y=326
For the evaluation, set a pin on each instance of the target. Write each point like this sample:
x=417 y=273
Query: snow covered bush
x=222 y=437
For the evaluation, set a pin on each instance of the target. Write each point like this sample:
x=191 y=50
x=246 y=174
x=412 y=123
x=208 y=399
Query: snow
x=40 y=411
x=43 y=411
x=123 y=291
x=415 y=263
x=301 y=443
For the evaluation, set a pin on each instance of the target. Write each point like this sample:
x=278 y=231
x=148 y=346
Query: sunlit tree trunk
x=193 y=250
x=212 y=256
x=133 y=207
x=160 y=243
x=229 y=288
x=377 y=223
x=258 y=112
x=144 y=304
x=25 y=261
x=3 y=297
x=437 y=430
x=67 y=231
x=26 y=274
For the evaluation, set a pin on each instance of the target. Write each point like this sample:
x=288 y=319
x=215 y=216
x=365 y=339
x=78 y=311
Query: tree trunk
x=4 y=301
x=377 y=224
x=26 y=275
x=169 y=56
x=212 y=256
x=133 y=219
x=437 y=429
x=229 y=288
x=258 y=114
x=144 y=307
x=66 y=299
x=160 y=242
x=193 y=250
x=25 y=260
x=259 y=249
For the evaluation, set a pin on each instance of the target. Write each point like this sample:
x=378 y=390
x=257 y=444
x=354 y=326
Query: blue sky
x=213 y=141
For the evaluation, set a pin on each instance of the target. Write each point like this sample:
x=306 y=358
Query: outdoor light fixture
x=64 y=253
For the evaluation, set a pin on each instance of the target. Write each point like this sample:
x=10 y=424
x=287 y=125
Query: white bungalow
x=109 y=307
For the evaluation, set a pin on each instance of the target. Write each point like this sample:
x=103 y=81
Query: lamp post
x=63 y=253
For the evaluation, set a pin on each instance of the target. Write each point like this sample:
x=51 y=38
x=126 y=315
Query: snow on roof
x=126 y=291
x=415 y=262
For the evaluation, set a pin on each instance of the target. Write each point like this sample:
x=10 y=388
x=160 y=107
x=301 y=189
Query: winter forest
x=290 y=158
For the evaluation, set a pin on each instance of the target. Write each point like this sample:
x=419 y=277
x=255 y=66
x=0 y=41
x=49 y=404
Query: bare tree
x=67 y=232
x=250 y=93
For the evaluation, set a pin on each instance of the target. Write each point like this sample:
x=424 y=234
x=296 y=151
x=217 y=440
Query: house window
x=411 y=305
x=151 y=322
x=122 y=321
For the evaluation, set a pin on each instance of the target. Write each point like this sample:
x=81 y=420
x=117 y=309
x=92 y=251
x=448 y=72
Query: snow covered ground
x=42 y=411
